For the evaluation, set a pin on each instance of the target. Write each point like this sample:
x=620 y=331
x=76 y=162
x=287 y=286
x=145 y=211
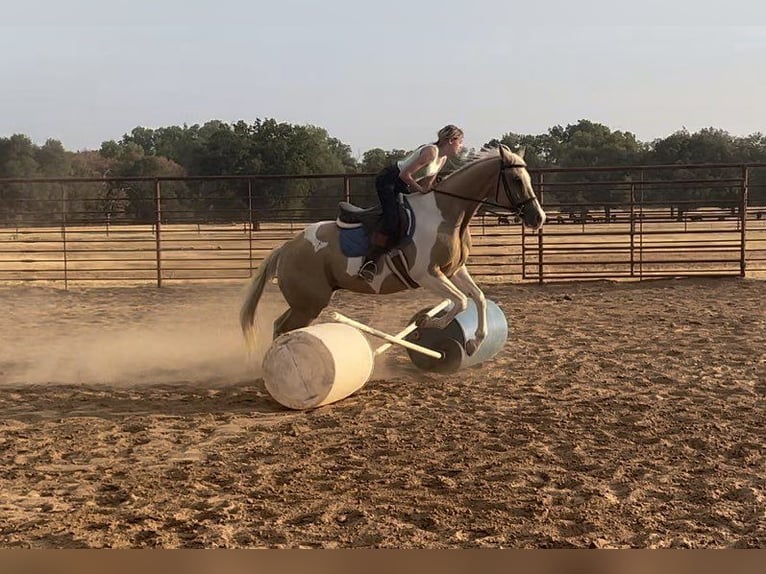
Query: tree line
x=270 y=147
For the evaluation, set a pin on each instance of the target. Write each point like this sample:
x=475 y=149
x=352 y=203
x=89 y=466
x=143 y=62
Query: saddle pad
x=354 y=242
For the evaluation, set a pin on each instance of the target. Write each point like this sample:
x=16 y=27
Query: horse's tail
x=265 y=272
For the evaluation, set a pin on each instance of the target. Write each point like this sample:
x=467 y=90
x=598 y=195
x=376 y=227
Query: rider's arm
x=428 y=181
x=427 y=155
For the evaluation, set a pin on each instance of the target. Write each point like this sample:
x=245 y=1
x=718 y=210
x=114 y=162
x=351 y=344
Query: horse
x=311 y=266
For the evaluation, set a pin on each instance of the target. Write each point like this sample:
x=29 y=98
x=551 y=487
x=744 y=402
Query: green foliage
x=264 y=147
x=269 y=147
x=17 y=157
x=20 y=158
x=710 y=145
x=376 y=159
x=53 y=160
x=584 y=144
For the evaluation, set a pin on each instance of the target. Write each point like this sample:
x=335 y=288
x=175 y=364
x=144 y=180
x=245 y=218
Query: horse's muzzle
x=534 y=217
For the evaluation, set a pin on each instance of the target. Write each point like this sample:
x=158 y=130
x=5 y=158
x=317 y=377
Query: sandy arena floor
x=618 y=415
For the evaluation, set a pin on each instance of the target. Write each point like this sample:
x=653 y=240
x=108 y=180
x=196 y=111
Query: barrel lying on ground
x=317 y=365
x=451 y=340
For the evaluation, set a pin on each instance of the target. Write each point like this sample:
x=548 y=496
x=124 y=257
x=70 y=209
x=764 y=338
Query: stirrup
x=368 y=271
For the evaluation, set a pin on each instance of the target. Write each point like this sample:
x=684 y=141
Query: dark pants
x=389 y=186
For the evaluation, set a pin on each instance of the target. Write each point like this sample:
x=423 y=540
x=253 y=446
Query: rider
x=414 y=173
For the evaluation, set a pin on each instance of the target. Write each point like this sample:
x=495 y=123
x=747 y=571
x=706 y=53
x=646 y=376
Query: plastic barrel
x=451 y=340
x=317 y=365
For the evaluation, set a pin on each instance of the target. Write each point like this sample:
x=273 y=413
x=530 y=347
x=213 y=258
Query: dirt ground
x=617 y=415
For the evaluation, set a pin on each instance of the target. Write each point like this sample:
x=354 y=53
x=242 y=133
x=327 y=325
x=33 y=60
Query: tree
x=709 y=145
x=539 y=150
x=376 y=159
x=589 y=144
x=142 y=137
x=53 y=160
x=17 y=160
x=17 y=157
x=584 y=144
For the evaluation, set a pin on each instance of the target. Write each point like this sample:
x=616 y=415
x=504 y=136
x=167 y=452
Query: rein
x=516 y=208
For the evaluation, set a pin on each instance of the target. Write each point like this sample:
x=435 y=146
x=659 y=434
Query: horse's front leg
x=438 y=283
x=463 y=281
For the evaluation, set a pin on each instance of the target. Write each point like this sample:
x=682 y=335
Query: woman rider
x=414 y=173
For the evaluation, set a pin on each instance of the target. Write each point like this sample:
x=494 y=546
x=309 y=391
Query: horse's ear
x=521 y=151
x=504 y=153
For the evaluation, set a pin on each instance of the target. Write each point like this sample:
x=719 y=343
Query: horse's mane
x=472 y=158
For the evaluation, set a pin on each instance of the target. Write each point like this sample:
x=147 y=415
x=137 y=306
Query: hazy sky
x=384 y=74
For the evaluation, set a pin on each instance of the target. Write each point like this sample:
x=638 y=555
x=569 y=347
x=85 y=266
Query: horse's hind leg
x=305 y=305
x=294 y=319
x=304 y=286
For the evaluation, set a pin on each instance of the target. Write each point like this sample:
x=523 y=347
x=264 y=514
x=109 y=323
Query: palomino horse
x=311 y=266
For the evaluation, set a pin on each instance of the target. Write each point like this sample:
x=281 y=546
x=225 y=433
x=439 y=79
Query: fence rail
x=608 y=223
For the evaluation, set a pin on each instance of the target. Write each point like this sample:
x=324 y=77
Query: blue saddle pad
x=354 y=242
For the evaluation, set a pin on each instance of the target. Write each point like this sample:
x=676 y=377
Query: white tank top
x=429 y=169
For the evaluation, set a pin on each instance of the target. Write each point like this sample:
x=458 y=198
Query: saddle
x=362 y=223
x=352 y=217
x=358 y=224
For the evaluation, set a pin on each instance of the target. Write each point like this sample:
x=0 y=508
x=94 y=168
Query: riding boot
x=369 y=267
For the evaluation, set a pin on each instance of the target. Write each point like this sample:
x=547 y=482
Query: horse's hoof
x=470 y=347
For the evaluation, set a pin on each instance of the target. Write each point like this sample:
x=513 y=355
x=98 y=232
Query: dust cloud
x=138 y=336
x=167 y=336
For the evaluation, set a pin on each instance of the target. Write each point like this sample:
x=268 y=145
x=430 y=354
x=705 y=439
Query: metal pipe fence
x=630 y=223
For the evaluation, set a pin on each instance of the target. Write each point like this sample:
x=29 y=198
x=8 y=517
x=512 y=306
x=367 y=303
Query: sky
x=382 y=74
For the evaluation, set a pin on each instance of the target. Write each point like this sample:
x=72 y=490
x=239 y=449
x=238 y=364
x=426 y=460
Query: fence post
x=250 y=221
x=347 y=188
x=641 y=229
x=63 y=235
x=743 y=222
x=523 y=252
x=632 y=229
x=540 y=233
x=158 y=224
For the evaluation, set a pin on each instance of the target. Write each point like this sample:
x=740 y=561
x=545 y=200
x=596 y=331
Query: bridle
x=517 y=206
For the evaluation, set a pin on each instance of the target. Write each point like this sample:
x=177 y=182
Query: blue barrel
x=451 y=340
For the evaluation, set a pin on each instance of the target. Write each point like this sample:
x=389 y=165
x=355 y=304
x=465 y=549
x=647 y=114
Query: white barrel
x=317 y=365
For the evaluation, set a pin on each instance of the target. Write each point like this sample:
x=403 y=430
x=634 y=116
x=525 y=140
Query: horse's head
x=519 y=196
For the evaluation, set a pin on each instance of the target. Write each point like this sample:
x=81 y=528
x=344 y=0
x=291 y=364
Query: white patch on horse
x=310 y=233
x=353 y=264
x=427 y=223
